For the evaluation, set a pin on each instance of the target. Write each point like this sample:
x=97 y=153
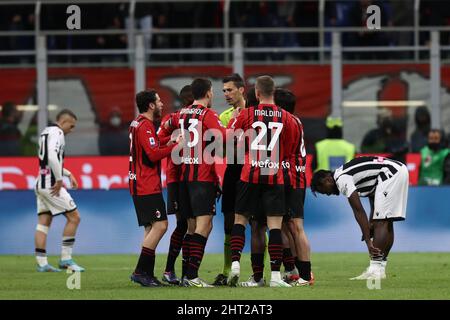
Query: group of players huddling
x=263 y=185
x=249 y=193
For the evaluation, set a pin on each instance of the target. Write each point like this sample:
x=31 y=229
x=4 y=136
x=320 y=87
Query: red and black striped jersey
x=297 y=157
x=267 y=129
x=145 y=157
x=172 y=170
x=196 y=120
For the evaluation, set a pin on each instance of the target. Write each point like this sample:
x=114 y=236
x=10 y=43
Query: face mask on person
x=434 y=146
x=115 y=121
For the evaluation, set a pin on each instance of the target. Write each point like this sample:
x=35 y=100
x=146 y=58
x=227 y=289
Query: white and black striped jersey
x=51 y=156
x=363 y=174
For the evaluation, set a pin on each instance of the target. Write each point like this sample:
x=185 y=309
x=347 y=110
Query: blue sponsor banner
x=109 y=224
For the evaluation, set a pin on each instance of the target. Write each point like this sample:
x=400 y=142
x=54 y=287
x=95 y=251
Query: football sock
x=304 y=269
x=176 y=241
x=185 y=254
x=226 y=255
x=67 y=246
x=275 y=249
x=297 y=264
x=196 y=251
x=146 y=262
x=257 y=265
x=375 y=265
x=41 y=257
x=384 y=263
x=288 y=260
x=275 y=276
x=237 y=241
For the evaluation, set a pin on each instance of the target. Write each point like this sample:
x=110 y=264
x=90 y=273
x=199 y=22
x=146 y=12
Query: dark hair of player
x=265 y=85
x=251 y=100
x=285 y=99
x=144 y=98
x=317 y=179
x=200 y=87
x=186 y=95
x=236 y=79
x=65 y=112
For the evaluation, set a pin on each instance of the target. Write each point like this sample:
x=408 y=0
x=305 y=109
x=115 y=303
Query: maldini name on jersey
x=268 y=113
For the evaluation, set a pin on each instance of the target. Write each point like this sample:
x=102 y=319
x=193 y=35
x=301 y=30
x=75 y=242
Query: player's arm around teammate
x=145 y=182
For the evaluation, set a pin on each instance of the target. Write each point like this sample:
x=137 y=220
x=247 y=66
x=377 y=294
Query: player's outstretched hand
x=73 y=182
x=56 y=188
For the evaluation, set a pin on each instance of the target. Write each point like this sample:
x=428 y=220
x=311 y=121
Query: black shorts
x=260 y=199
x=150 y=208
x=197 y=198
x=259 y=217
x=172 y=197
x=295 y=200
x=231 y=180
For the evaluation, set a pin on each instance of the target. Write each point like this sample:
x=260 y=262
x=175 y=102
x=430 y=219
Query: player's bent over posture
x=385 y=182
x=145 y=182
x=52 y=198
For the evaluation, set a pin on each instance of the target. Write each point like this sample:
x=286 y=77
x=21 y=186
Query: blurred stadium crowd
x=242 y=15
x=389 y=137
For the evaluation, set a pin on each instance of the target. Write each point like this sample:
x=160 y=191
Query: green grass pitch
x=410 y=276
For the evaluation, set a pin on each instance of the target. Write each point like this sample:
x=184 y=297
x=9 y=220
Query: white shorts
x=391 y=196
x=55 y=204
